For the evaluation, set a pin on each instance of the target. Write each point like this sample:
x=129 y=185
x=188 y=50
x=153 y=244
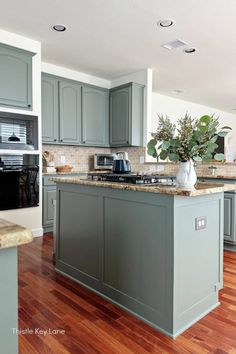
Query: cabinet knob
x=55 y=139
x=61 y=140
x=29 y=105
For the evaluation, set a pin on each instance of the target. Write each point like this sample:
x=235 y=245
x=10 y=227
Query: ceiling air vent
x=174 y=44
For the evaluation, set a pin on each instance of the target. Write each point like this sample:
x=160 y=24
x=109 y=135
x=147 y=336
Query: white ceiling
x=110 y=38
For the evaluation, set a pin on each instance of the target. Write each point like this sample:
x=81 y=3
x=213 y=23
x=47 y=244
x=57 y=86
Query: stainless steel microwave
x=103 y=161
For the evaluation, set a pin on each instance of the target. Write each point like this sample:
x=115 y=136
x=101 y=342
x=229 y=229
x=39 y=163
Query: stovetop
x=132 y=178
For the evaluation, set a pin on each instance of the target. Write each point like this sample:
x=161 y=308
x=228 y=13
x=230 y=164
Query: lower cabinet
x=49 y=196
x=229 y=217
x=229 y=209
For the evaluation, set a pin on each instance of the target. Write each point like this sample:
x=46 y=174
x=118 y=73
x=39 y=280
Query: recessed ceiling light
x=189 y=50
x=165 y=23
x=59 y=28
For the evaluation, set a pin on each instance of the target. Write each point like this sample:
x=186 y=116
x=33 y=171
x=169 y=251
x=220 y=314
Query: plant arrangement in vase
x=190 y=140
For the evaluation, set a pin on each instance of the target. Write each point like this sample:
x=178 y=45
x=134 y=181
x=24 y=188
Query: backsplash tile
x=81 y=158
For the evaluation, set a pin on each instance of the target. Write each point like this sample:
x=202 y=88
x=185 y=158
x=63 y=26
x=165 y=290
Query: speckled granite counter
x=12 y=235
x=201 y=188
x=218 y=177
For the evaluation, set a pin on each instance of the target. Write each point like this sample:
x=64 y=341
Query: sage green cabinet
x=70 y=112
x=126 y=115
x=95 y=116
x=229 y=217
x=49 y=195
x=229 y=209
x=16 y=77
x=61 y=111
x=77 y=114
x=50 y=127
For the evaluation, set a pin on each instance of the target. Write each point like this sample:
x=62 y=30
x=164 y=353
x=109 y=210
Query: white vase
x=186 y=176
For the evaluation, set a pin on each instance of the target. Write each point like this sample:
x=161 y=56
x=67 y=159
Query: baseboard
x=37 y=232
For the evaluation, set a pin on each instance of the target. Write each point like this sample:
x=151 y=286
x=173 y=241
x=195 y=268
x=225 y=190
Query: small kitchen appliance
x=103 y=161
x=121 y=163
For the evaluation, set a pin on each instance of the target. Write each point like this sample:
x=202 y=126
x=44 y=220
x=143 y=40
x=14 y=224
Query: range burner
x=142 y=179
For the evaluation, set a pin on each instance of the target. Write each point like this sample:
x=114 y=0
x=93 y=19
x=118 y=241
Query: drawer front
x=47 y=181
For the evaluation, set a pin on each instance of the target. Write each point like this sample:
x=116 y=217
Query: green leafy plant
x=191 y=139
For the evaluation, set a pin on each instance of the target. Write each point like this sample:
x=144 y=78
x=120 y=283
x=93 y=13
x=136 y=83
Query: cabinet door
x=95 y=116
x=16 y=77
x=229 y=217
x=120 y=117
x=50 y=129
x=49 y=194
x=70 y=112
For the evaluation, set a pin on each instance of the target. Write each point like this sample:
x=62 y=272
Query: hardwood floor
x=48 y=300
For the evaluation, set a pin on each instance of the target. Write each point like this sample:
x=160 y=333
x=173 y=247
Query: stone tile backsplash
x=81 y=158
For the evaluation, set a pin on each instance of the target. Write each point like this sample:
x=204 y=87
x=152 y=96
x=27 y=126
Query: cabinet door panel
x=49 y=194
x=70 y=112
x=16 y=77
x=120 y=117
x=95 y=118
x=229 y=217
x=50 y=117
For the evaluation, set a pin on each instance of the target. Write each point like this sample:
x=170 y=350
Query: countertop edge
x=13 y=235
x=201 y=188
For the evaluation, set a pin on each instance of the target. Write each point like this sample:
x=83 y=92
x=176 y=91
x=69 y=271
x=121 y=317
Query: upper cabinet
x=126 y=115
x=77 y=114
x=16 y=77
x=70 y=112
x=50 y=128
x=95 y=116
x=61 y=111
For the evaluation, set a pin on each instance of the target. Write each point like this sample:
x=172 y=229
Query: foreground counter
x=144 y=248
x=11 y=236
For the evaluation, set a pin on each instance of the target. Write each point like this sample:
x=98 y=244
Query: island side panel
x=138 y=257
x=9 y=301
x=198 y=261
x=129 y=238
x=78 y=246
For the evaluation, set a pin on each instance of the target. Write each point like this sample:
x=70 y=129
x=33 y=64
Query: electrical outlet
x=63 y=159
x=141 y=159
x=200 y=223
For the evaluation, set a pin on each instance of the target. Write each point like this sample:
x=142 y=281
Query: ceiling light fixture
x=174 y=44
x=59 y=28
x=165 y=23
x=189 y=50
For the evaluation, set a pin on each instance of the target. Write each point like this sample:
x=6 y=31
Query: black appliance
x=19 y=181
x=18 y=131
x=121 y=163
x=121 y=166
x=133 y=178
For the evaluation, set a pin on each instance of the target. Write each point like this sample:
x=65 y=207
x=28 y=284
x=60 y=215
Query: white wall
x=176 y=108
x=30 y=217
x=74 y=75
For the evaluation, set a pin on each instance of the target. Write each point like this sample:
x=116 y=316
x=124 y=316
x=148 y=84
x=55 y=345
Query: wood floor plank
x=95 y=326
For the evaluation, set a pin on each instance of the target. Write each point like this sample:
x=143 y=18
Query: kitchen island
x=157 y=251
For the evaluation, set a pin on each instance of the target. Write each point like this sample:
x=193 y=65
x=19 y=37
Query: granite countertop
x=217 y=177
x=12 y=235
x=201 y=188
